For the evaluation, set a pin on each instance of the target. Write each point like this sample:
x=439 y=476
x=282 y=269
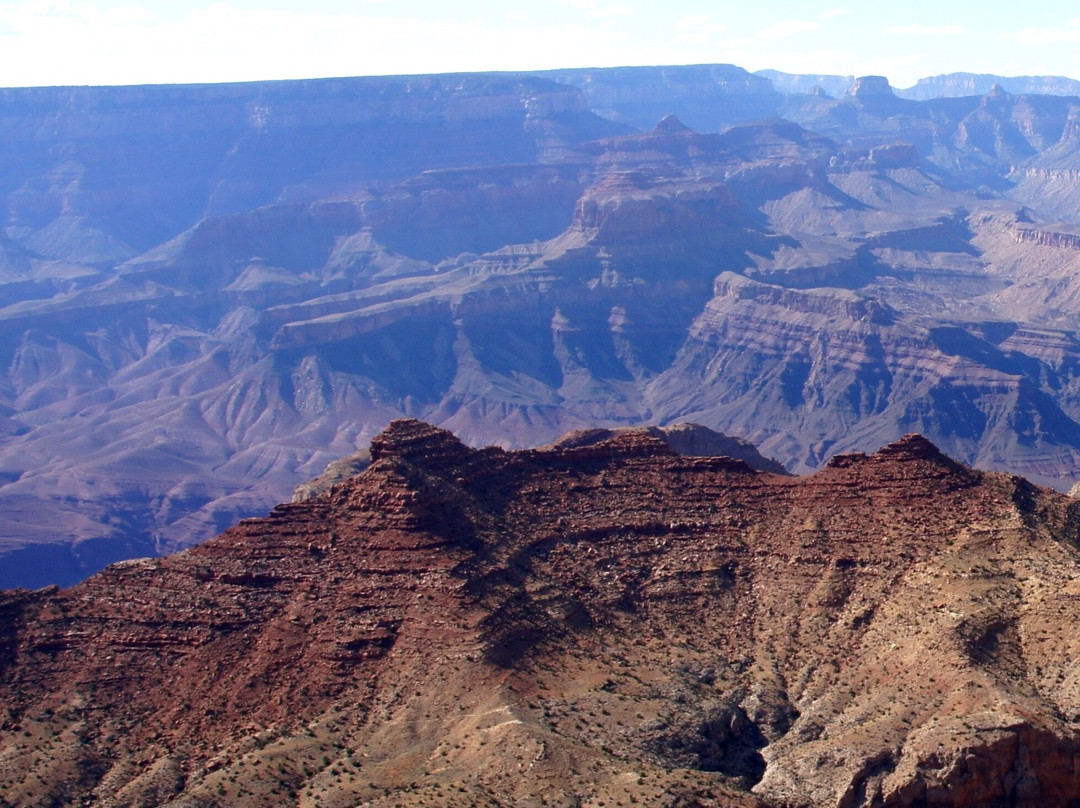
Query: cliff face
x=601 y=622
x=212 y=292
x=102 y=174
x=824 y=362
x=708 y=98
x=961 y=84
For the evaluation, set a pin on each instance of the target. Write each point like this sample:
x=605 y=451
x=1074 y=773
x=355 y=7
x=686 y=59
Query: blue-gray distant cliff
x=208 y=293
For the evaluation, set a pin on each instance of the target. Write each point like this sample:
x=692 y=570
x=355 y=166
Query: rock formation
x=611 y=622
x=210 y=293
x=968 y=84
x=692 y=440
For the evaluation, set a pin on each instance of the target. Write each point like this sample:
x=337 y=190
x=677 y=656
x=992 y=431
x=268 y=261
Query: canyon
x=212 y=292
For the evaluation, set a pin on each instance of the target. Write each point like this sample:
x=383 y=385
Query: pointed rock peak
x=866 y=86
x=915 y=447
x=995 y=94
x=415 y=440
x=670 y=124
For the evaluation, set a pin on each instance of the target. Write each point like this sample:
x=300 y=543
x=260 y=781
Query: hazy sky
x=46 y=42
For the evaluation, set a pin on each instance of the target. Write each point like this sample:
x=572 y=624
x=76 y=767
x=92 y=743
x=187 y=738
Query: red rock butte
x=611 y=623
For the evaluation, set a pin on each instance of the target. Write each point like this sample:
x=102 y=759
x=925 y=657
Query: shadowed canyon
x=211 y=292
x=800 y=355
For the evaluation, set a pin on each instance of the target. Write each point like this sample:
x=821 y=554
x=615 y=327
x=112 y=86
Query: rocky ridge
x=692 y=440
x=961 y=84
x=612 y=622
x=501 y=255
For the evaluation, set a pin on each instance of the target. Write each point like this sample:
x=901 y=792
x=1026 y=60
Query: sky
x=69 y=42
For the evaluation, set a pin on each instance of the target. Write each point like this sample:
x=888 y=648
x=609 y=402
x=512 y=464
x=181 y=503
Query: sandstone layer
x=693 y=440
x=209 y=293
x=609 y=623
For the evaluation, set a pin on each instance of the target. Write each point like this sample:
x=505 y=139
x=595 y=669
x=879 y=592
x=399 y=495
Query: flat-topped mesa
x=869 y=86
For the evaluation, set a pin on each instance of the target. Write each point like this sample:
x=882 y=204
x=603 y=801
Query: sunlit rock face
x=210 y=293
x=601 y=619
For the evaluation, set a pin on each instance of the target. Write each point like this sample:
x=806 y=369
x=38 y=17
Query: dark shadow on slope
x=410 y=358
x=949 y=235
x=956 y=341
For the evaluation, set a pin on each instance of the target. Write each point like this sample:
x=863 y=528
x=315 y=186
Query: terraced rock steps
x=603 y=622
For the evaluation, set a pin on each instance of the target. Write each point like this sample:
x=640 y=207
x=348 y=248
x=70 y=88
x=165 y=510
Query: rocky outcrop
x=336 y=472
x=691 y=440
x=596 y=620
x=867 y=86
x=967 y=84
x=494 y=254
x=1047 y=238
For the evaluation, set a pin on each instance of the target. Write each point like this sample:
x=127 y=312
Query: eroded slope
x=485 y=253
x=606 y=623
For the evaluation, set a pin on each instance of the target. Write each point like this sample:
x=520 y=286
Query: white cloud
x=1038 y=36
x=692 y=23
x=32 y=12
x=579 y=5
x=696 y=29
x=608 y=11
x=926 y=30
x=785 y=28
x=739 y=44
x=138 y=41
x=598 y=9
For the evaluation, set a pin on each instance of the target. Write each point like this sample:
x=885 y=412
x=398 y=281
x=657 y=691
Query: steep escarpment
x=210 y=293
x=708 y=97
x=612 y=622
x=175 y=154
x=846 y=366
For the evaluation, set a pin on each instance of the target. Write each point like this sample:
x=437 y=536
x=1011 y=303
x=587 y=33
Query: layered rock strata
x=612 y=622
